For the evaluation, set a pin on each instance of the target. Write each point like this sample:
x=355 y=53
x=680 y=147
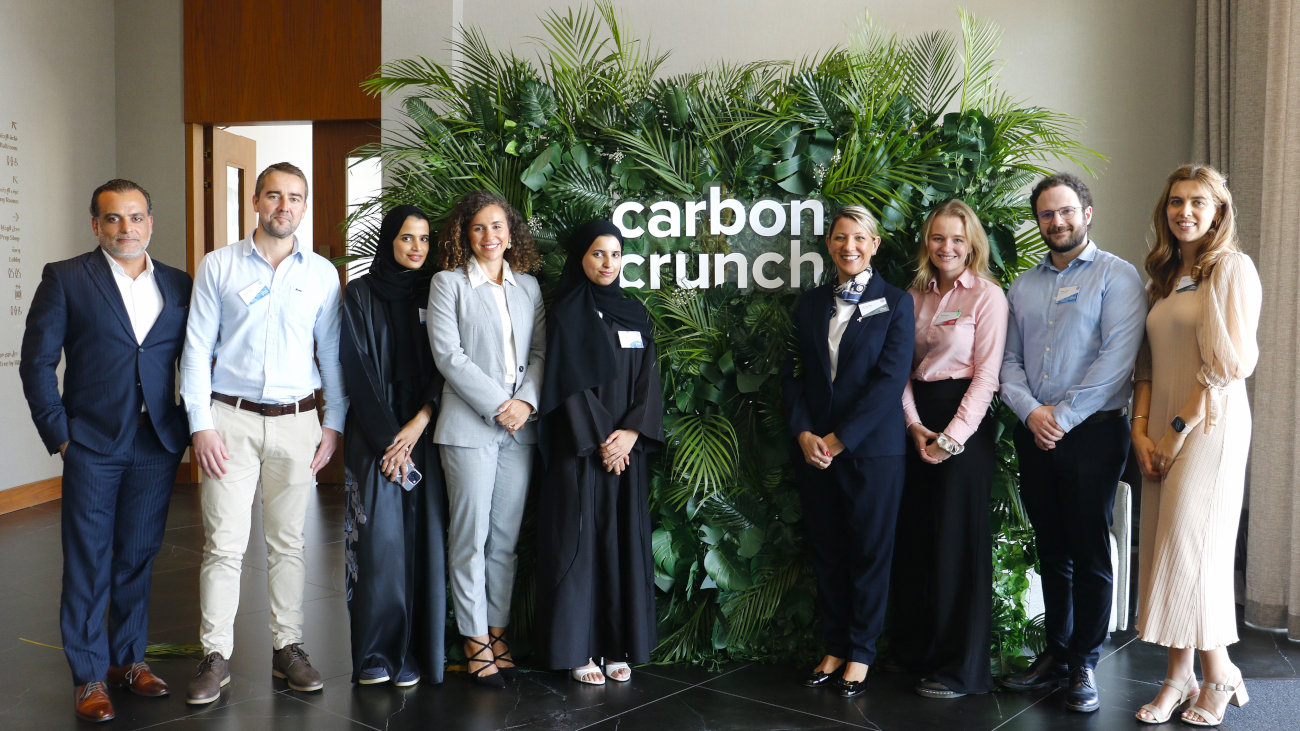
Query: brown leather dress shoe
x=92 y=703
x=138 y=678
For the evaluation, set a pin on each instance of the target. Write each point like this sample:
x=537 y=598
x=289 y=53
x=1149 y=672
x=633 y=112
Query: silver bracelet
x=949 y=446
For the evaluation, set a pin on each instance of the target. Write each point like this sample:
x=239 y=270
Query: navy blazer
x=78 y=310
x=863 y=406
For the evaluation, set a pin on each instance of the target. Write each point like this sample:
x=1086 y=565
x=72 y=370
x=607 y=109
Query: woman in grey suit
x=486 y=329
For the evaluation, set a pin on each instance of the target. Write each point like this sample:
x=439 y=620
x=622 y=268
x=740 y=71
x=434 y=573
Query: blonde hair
x=857 y=214
x=977 y=254
x=1165 y=258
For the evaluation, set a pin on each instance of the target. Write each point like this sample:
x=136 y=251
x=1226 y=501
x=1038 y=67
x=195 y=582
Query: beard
x=1077 y=236
x=121 y=252
x=280 y=229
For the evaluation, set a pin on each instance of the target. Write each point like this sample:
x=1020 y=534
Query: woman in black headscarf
x=394 y=527
x=603 y=409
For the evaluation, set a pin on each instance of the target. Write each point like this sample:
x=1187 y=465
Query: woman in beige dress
x=1191 y=432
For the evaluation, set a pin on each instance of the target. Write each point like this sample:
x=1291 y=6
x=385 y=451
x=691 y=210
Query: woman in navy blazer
x=487 y=330
x=843 y=401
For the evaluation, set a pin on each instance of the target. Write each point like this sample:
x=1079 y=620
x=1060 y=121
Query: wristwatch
x=949 y=445
x=1178 y=424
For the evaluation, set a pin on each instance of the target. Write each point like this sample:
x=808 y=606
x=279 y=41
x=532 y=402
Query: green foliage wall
x=896 y=125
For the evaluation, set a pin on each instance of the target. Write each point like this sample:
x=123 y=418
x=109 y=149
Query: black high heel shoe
x=511 y=672
x=493 y=680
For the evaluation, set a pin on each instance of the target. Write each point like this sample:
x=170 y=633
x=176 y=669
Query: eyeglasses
x=1066 y=214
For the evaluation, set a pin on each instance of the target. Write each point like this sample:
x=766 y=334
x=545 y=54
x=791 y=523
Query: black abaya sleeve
x=590 y=423
x=646 y=414
x=368 y=398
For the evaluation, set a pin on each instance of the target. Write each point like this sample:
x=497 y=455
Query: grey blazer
x=465 y=335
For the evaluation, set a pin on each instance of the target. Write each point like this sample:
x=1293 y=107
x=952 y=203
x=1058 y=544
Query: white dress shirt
x=141 y=295
x=476 y=278
x=262 y=325
x=844 y=311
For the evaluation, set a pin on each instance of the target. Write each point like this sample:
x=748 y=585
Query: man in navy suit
x=118 y=319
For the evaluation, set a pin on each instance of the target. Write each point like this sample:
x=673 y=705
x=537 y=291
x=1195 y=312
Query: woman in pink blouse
x=942 y=577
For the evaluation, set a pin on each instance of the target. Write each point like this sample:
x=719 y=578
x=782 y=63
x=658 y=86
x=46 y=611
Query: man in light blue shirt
x=1076 y=322
x=261 y=308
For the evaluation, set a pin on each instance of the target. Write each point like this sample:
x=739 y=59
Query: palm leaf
x=980 y=70
x=932 y=81
x=704 y=455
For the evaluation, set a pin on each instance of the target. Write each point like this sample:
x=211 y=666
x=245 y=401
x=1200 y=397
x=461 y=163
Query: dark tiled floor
x=37 y=692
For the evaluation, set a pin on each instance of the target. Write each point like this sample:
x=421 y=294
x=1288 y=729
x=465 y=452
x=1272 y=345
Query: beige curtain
x=1247 y=104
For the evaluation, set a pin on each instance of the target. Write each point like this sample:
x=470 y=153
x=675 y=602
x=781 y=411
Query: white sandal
x=586 y=671
x=1185 y=695
x=1237 y=696
x=614 y=667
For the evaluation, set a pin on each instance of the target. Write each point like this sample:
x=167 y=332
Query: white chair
x=1121 y=555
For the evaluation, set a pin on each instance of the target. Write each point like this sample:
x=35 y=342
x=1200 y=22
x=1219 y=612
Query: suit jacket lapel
x=859 y=324
x=99 y=273
x=170 y=300
x=823 y=301
x=521 y=316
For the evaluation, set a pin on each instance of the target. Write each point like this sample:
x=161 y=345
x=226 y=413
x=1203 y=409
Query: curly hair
x=453 y=240
x=1165 y=258
x=977 y=242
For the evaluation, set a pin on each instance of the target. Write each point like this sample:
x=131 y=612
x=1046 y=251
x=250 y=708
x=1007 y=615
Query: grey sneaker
x=206 y=685
x=290 y=663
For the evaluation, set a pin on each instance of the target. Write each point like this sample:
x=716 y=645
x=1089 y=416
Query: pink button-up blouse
x=960 y=334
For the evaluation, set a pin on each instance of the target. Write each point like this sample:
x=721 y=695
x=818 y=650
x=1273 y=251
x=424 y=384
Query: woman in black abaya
x=394 y=531
x=602 y=404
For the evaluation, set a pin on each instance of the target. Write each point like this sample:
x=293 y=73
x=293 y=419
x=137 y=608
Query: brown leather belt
x=307 y=404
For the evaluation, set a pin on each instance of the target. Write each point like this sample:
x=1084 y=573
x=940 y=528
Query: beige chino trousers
x=277 y=452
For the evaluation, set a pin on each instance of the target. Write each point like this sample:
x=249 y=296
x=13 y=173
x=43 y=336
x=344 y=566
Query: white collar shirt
x=844 y=311
x=477 y=278
x=141 y=296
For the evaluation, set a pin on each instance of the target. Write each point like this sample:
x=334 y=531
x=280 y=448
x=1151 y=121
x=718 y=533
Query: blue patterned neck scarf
x=851 y=291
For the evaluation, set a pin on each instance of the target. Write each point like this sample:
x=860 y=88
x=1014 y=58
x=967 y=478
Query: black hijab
x=579 y=354
x=401 y=292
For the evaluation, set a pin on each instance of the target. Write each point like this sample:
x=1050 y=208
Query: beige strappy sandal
x=1185 y=694
x=1237 y=697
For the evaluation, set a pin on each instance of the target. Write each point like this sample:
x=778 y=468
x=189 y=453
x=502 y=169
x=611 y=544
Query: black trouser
x=942 y=585
x=849 y=511
x=1069 y=493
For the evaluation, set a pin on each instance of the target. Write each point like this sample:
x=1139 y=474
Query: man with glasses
x=1076 y=323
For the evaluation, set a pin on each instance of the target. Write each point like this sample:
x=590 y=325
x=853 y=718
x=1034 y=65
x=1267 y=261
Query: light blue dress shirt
x=262 y=324
x=1073 y=336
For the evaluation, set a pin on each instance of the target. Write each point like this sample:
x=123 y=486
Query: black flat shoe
x=1082 y=696
x=1046 y=671
x=934 y=689
x=852 y=688
x=818 y=679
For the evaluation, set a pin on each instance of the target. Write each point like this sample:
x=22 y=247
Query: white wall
x=150 y=73
x=58 y=85
x=1123 y=67
x=286 y=142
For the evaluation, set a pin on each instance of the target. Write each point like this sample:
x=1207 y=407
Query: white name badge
x=254 y=292
x=630 y=339
x=947 y=318
x=1067 y=294
x=874 y=307
x=424 y=316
